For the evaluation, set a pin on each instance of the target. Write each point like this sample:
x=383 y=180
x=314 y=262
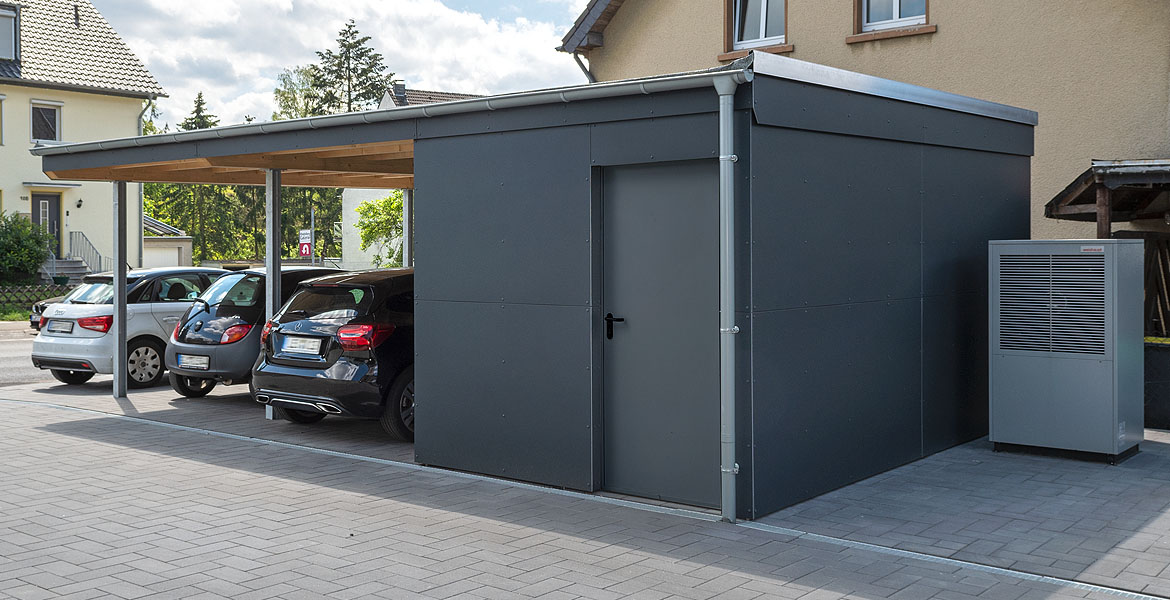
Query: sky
x=233 y=50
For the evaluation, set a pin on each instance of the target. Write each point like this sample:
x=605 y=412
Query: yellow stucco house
x=1097 y=72
x=66 y=76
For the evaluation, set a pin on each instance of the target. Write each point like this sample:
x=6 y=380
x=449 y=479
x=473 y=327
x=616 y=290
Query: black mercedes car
x=343 y=345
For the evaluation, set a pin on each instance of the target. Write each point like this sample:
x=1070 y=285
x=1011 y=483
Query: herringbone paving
x=1108 y=525
x=98 y=507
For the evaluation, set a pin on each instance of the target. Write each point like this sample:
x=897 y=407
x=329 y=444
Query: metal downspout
x=728 y=468
x=141 y=199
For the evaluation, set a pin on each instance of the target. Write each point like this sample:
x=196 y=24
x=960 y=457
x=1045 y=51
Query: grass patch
x=13 y=312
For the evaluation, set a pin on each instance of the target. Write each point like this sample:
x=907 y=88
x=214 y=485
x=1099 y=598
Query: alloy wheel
x=406 y=406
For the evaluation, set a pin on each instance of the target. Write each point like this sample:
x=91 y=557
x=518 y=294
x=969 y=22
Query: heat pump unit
x=1066 y=364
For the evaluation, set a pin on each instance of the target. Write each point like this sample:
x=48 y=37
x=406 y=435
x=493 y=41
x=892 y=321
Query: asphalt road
x=16 y=341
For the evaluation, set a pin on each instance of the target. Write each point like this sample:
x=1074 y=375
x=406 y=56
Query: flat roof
x=314 y=158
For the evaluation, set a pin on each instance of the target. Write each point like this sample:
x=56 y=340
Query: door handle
x=171 y=319
x=609 y=321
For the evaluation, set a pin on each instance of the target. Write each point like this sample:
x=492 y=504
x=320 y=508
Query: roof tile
x=56 y=50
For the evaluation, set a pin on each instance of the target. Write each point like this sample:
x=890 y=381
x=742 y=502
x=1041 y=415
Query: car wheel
x=71 y=377
x=144 y=363
x=303 y=417
x=398 y=416
x=192 y=387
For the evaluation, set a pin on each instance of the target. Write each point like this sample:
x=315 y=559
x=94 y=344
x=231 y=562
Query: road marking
x=666 y=510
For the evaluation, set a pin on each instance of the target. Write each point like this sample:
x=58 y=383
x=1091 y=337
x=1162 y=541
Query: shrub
x=24 y=246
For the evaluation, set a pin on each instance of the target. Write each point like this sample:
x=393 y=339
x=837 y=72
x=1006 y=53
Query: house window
x=877 y=15
x=759 y=23
x=46 y=121
x=7 y=33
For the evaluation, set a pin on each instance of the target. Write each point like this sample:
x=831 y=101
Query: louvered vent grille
x=1052 y=303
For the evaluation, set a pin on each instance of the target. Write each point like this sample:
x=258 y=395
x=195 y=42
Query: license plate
x=193 y=361
x=302 y=345
x=57 y=326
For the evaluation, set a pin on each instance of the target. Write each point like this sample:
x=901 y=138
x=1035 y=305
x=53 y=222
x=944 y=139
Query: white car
x=75 y=340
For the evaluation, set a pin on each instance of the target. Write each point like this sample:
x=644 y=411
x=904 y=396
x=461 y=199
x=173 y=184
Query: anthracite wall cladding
x=869 y=227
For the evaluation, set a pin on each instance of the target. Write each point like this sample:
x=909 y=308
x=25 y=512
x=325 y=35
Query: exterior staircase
x=75 y=268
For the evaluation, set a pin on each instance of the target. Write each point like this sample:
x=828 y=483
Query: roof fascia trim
x=554 y=96
x=585 y=22
x=806 y=72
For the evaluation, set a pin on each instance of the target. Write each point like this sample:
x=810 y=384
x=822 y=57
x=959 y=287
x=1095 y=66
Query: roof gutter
x=686 y=81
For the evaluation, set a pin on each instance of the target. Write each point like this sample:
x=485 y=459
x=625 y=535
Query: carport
x=735 y=288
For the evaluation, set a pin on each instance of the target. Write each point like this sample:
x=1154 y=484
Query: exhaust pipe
x=328 y=408
x=263 y=398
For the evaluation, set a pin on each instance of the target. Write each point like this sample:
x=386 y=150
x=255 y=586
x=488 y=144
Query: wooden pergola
x=1113 y=191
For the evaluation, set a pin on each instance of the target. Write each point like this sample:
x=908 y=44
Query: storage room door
x=661 y=340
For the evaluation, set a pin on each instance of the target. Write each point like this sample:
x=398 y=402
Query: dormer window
x=8 y=33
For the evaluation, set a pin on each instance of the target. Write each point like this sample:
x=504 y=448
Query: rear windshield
x=328 y=303
x=92 y=293
x=237 y=289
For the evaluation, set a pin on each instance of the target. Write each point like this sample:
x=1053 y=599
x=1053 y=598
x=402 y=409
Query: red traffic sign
x=306 y=249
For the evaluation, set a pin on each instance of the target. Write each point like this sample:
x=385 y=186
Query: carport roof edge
x=741 y=70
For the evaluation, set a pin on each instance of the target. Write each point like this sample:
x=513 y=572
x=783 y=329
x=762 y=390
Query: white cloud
x=233 y=51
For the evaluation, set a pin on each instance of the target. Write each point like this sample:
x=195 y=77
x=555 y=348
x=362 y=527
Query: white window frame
x=775 y=40
x=895 y=23
x=13 y=13
x=54 y=104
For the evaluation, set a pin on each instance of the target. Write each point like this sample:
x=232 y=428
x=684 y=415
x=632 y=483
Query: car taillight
x=236 y=333
x=44 y=320
x=101 y=324
x=175 y=335
x=363 y=337
x=268 y=326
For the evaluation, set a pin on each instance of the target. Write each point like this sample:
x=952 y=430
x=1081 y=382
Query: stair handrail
x=82 y=249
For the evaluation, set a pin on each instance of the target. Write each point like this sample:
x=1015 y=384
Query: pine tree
x=354 y=77
x=200 y=118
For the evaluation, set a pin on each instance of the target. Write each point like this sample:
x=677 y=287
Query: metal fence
x=81 y=248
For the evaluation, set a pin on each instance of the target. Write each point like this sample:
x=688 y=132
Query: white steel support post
x=727 y=329
x=120 y=370
x=408 y=228
x=272 y=242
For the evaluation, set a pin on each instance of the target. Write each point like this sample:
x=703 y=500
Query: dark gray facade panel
x=270 y=142
x=837 y=397
x=834 y=220
x=604 y=110
x=505 y=390
x=969 y=198
x=784 y=103
x=744 y=418
x=954 y=370
x=504 y=217
x=655 y=140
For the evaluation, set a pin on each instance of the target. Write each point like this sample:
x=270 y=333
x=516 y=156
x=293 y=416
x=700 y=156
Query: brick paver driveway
x=97 y=505
x=1067 y=518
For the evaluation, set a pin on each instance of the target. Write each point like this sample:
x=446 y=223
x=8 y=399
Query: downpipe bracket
x=734 y=329
x=734 y=470
x=729 y=157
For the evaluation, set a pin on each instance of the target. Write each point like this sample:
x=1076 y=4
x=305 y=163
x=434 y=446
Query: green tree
x=297 y=94
x=24 y=246
x=380 y=225
x=199 y=118
x=354 y=77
